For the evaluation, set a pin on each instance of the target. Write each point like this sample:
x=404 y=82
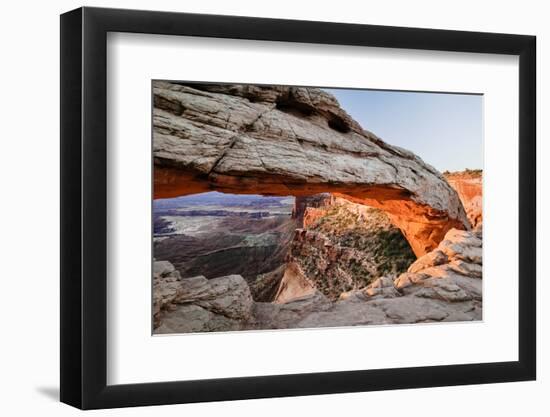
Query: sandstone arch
x=292 y=141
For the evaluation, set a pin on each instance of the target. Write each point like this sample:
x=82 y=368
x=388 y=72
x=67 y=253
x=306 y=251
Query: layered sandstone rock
x=452 y=272
x=441 y=286
x=198 y=304
x=444 y=285
x=292 y=141
x=294 y=284
x=342 y=246
x=469 y=186
x=305 y=206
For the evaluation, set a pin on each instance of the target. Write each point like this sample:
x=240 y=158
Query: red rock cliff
x=469 y=186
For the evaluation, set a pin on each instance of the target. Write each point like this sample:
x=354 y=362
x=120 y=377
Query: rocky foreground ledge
x=443 y=285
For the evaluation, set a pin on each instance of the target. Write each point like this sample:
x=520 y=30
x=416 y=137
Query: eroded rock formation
x=304 y=206
x=342 y=246
x=198 y=304
x=443 y=285
x=292 y=141
x=469 y=186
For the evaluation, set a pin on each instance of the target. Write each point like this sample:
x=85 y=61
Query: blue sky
x=445 y=130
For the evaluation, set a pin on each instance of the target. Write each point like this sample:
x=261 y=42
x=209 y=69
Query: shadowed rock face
x=292 y=141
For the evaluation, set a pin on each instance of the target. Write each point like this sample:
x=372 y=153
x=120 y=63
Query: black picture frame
x=84 y=207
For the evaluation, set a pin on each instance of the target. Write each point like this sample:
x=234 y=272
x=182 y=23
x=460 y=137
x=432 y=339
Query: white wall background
x=29 y=218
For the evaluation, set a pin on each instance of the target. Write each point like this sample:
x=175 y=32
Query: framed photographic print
x=257 y=208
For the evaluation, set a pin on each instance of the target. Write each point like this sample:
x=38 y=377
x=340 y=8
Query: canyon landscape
x=274 y=208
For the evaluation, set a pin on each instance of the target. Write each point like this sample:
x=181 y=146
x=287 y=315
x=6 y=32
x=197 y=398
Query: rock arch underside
x=277 y=140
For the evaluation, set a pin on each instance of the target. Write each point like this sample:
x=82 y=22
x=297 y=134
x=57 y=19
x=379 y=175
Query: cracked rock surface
x=443 y=286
